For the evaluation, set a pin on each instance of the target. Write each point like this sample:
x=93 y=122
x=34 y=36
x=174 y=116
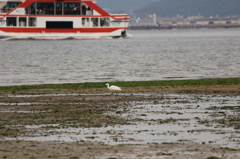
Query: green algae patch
x=187 y=86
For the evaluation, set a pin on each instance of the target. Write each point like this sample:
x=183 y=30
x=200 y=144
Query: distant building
x=152 y=21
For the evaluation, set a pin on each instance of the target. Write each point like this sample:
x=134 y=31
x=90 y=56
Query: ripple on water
x=148 y=55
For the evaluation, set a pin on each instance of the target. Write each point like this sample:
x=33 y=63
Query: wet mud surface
x=130 y=125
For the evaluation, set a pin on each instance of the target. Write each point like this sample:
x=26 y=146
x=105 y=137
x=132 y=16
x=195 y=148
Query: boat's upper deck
x=54 y=8
x=49 y=7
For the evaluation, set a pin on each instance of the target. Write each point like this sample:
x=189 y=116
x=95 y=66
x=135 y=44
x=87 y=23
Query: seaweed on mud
x=82 y=115
x=227 y=121
x=213 y=157
x=170 y=120
x=163 y=154
x=13 y=132
x=233 y=108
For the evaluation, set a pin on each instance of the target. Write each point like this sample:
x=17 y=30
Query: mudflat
x=140 y=122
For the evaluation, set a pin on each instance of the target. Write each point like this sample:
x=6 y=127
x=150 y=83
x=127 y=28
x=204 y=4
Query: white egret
x=113 y=88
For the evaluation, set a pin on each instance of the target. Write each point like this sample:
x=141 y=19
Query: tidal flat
x=171 y=121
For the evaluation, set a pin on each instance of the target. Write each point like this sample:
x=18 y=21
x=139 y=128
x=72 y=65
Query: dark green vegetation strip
x=88 y=85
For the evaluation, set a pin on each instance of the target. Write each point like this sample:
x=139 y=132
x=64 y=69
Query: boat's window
x=41 y=8
x=59 y=24
x=11 y=21
x=31 y=9
x=85 y=22
x=59 y=8
x=32 y=21
x=83 y=9
x=45 y=8
x=104 y=22
x=71 y=8
x=86 y=10
x=6 y=7
x=94 y=22
x=22 y=21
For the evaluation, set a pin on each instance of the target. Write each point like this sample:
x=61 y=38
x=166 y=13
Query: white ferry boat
x=59 y=19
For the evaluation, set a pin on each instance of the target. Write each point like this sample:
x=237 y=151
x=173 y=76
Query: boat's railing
x=58 y=12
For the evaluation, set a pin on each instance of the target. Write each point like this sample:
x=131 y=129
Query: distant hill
x=168 y=8
x=123 y=5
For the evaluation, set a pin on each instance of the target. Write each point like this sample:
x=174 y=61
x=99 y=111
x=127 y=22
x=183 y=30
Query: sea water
x=145 y=55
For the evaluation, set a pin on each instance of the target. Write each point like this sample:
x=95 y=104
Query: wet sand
x=154 y=122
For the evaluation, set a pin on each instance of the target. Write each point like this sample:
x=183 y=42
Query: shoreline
x=193 y=26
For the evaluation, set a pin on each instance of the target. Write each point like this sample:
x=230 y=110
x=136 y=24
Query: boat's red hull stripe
x=57 y=16
x=44 y=30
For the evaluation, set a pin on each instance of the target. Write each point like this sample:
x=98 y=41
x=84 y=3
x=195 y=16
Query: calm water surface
x=147 y=55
